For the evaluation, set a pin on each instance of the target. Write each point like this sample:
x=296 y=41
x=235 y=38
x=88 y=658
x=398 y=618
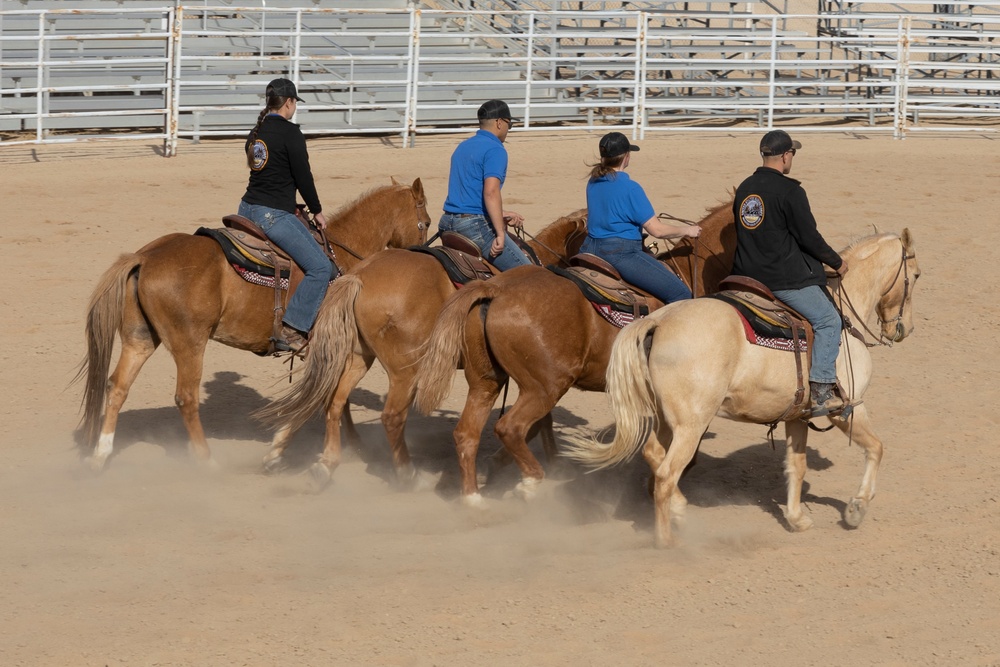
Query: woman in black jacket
x=279 y=165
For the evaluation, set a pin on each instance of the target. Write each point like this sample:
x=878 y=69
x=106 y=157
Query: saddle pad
x=236 y=256
x=461 y=267
x=760 y=331
x=614 y=317
x=602 y=297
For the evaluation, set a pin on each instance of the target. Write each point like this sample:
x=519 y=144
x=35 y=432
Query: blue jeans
x=638 y=267
x=289 y=234
x=478 y=229
x=814 y=305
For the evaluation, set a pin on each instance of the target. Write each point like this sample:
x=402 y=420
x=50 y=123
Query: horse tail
x=629 y=389
x=104 y=319
x=333 y=338
x=444 y=347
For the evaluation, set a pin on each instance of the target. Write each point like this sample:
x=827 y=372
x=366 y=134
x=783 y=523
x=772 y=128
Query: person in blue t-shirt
x=474 y=207
x=618 y=212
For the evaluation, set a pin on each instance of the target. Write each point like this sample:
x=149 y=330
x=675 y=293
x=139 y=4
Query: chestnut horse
x=537 y=329
x=181 y=291
x=383 y=309
x=701 y=365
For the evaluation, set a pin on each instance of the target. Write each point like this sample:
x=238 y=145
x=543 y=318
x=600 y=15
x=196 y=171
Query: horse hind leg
x=136 y=349
x=859 y=429
x=189 y=360
x=512 y=429
x=796 y=435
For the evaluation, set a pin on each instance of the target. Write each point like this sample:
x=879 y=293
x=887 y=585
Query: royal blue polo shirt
x=617 y=207
x=477 y=158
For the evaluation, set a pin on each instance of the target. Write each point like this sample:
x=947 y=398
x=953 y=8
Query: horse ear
x=875 y=227
x=394 y=181
x=907 y=238
x=418 y=188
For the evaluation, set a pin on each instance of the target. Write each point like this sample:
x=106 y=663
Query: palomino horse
x=181 y=291
x=701 y=365
x=539 y=330
x=383 y=309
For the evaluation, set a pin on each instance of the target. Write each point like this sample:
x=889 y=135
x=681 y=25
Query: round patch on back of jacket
x=752 y=212
x=259 y=155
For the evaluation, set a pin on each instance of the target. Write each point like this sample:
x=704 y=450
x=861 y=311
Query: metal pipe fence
x=188 y=72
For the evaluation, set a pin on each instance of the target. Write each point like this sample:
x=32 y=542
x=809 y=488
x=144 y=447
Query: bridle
x=902 y=270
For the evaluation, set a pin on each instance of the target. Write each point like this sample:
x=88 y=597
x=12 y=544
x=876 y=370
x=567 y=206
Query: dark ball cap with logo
x=777 y=142
x=283 y=88
x=495 y=109
x=614 y=144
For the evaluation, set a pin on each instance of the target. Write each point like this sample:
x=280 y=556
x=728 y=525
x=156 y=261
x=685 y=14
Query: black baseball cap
x=777 y=142
x=495 y=109
x=283 y=88
x=614 y=144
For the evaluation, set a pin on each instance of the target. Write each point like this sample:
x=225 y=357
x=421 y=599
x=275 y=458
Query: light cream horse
x=700 y=365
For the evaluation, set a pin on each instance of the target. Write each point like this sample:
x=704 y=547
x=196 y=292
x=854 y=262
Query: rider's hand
x=513 y=219
x=694 y=231
x=496 y=247
x=842 y=271
x=320 y=220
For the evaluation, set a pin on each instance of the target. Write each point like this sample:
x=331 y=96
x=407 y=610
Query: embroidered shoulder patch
x=259 y=155
x=752 y=212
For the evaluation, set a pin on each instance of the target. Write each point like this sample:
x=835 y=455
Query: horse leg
x=859 y=429
x=667 y=465
x=135 y=351
x=532 y=404
x=190 y=362
x=502 y=458
x=479 y=401
x=351 y=435
x=399 y=398
x=796 y=434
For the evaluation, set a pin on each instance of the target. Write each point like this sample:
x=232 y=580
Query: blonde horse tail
x=444 y=347
x=104 y=318
x=331 y=343
x=629 y=389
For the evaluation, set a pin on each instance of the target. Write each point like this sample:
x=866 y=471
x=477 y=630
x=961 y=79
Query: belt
x=465 y=215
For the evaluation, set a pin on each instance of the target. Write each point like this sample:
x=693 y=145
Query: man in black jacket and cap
x=777 y=243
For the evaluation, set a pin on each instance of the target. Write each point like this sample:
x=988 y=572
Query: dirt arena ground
x=158 y=562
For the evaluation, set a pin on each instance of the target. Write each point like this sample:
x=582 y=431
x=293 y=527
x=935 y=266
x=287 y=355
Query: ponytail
x=606 y=166
x=273 y=102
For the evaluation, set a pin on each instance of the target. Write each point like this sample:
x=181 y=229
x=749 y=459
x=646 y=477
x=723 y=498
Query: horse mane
x=563 y=227
x=865 y=246
x=351 y=206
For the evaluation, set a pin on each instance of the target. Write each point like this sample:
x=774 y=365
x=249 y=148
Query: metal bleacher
x=192 y=70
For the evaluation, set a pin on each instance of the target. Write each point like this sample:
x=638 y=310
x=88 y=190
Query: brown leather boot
x=292 y=340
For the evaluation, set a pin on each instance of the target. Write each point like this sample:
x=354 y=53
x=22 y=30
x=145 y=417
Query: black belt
x=465 y=215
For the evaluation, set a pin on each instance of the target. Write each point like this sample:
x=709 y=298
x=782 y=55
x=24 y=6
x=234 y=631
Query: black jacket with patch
x=777 y=241
x=281 y=166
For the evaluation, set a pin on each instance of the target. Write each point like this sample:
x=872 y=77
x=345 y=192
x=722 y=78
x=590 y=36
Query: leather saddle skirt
x=768 y=317
x=460 y=258
x=602 y=285
x=245 y=246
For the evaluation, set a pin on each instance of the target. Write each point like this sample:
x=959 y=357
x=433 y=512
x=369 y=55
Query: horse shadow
x=751 y=475
x=225 y=415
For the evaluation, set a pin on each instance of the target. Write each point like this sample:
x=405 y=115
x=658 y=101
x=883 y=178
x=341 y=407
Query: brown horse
x=691 y=361
x=537 y=329
x=383 y=309
x=181 y=291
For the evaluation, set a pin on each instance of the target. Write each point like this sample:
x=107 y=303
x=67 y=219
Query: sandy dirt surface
x=159 y=562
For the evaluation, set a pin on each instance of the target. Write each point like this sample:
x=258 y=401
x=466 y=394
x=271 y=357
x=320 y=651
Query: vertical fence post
x=40 y=77
x=902 y=77
x=639 y=95
x=412 y=76
x=772 y=74
x=169 y=131
x=529 y=69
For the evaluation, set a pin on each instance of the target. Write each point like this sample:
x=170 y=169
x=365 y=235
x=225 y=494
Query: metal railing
x=195 y=71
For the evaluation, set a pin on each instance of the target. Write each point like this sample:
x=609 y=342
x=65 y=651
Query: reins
x=521 y=233
x=421 y=205
x=880 y=338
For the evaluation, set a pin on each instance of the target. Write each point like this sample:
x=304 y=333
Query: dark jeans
x=638 y=267
x=289 y=234
x=479 y=230
x=814 y=305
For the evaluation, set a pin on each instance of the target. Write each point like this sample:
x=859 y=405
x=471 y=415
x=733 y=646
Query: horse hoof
x=800 y=523
x=527 y=488
x=95 y=464
x=474 y=500
x=854 y=514
x=319 y=477
x=274 y=465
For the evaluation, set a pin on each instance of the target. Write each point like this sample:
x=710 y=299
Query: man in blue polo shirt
x=474 y=207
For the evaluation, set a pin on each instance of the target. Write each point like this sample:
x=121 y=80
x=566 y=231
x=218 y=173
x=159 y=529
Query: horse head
x=412 y=229
x=895 y=310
